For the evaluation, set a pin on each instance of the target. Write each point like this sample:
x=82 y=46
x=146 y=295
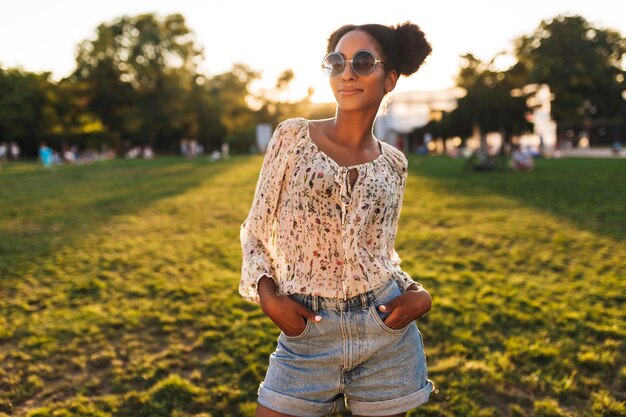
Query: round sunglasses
x=363 y=63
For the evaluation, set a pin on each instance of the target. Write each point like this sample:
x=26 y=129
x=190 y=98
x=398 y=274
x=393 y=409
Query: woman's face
x=355 y=92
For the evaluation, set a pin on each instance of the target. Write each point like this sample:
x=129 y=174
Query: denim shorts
x=350 y=359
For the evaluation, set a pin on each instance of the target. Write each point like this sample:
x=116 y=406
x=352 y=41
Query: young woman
x=318 y=245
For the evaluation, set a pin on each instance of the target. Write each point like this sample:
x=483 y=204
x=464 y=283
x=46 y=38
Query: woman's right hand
x=289 y=315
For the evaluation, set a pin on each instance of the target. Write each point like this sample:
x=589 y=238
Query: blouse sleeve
x=403 y=279
x=258 y=230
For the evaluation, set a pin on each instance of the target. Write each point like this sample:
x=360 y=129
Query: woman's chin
x=348 y=106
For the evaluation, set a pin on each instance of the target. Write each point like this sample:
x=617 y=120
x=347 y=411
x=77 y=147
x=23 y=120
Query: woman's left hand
x=406 y=308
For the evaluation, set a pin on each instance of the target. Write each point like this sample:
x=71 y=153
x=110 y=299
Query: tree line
x=584 y=66
x=137 y=83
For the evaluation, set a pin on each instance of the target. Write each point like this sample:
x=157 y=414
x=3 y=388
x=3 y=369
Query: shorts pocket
x=379 y=317
x=306 y=330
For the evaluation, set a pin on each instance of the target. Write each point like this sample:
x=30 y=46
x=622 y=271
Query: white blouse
x=312 y=232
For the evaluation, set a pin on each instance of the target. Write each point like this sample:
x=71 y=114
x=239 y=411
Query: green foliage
x=604 y=404
x=170 y=396
x=488 y=103
x=23 y=107
x=582 y=65
x=76 y=407
x=231 y=90
x=140 y=77
x=548 y=408
x=580 y=62
x=119 y=289
x=136 y=82
x=33 y=108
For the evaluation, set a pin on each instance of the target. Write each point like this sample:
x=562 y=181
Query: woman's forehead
x=356 y=40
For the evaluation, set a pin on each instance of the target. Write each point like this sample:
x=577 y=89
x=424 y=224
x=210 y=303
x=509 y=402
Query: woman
x=318 y=245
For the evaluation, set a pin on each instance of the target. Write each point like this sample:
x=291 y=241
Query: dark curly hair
x=404 y=46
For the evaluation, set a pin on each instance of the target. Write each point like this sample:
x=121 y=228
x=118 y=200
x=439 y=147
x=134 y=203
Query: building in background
x=410 y=111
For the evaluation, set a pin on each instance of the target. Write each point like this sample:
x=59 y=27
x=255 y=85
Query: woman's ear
x=390 y=81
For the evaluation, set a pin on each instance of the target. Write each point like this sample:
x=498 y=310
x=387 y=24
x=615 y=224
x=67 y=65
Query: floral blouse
x=312 y=232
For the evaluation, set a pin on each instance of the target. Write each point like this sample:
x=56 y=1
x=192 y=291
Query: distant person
x=46 y=155
x=4 y=151
x=193 y=149
x=69 y=155
x=14 y=151
x=318 y=245
x=148 y=153
x=134 y=152
x=616 y=148
x=215 y=156
x=521 y=160
x=184 y=147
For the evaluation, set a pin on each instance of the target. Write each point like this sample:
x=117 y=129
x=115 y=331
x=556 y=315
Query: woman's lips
x=349 y=91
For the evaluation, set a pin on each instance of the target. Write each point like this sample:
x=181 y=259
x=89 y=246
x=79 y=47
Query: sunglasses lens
x=363 y=63
x=333 y=64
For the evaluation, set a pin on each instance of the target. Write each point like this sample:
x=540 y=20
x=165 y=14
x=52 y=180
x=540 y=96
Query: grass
x=118 y=288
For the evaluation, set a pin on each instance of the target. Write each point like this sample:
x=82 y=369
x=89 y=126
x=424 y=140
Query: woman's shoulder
x=396 y=157
x=293 y=124
x=288 y=135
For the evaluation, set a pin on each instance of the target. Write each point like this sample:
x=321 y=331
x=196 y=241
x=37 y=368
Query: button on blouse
x=311 y=231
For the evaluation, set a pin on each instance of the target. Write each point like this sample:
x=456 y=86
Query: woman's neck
x=353 y=129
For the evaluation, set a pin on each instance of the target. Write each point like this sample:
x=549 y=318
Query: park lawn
x=118 y=288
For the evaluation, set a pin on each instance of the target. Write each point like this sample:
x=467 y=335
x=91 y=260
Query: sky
x=274 y=35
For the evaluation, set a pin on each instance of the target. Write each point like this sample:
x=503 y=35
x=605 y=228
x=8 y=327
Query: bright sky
x=273 y=35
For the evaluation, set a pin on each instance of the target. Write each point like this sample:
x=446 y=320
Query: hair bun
x=404 y=46
x=413 y=47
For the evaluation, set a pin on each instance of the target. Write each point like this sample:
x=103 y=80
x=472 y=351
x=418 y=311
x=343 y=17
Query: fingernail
x=318 y=318
x=383 y=308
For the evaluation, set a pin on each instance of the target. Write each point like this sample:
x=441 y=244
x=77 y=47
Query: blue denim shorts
x=350 y=359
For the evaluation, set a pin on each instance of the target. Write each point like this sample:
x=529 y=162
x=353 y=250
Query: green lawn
x=118 y=288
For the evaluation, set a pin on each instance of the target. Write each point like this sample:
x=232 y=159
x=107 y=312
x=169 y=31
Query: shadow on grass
x=42 y=210
x=587 y=192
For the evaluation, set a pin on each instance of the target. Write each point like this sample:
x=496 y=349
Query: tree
x=231 y=91
x=582 y=64
x=24 y=108
x=274 y=104
x=140 y=70
x=33 y=108
x=203 y=115
x=488 y=104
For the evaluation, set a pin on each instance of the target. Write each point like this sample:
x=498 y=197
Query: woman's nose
x=348 y=72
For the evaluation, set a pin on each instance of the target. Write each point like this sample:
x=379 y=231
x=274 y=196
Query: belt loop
x=363 y=300
x=316 y=303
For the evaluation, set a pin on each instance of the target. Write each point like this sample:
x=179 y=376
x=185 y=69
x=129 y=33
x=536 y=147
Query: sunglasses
x=363 y=63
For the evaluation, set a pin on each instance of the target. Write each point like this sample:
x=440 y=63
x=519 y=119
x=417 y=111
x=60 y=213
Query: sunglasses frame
x=351 y=61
